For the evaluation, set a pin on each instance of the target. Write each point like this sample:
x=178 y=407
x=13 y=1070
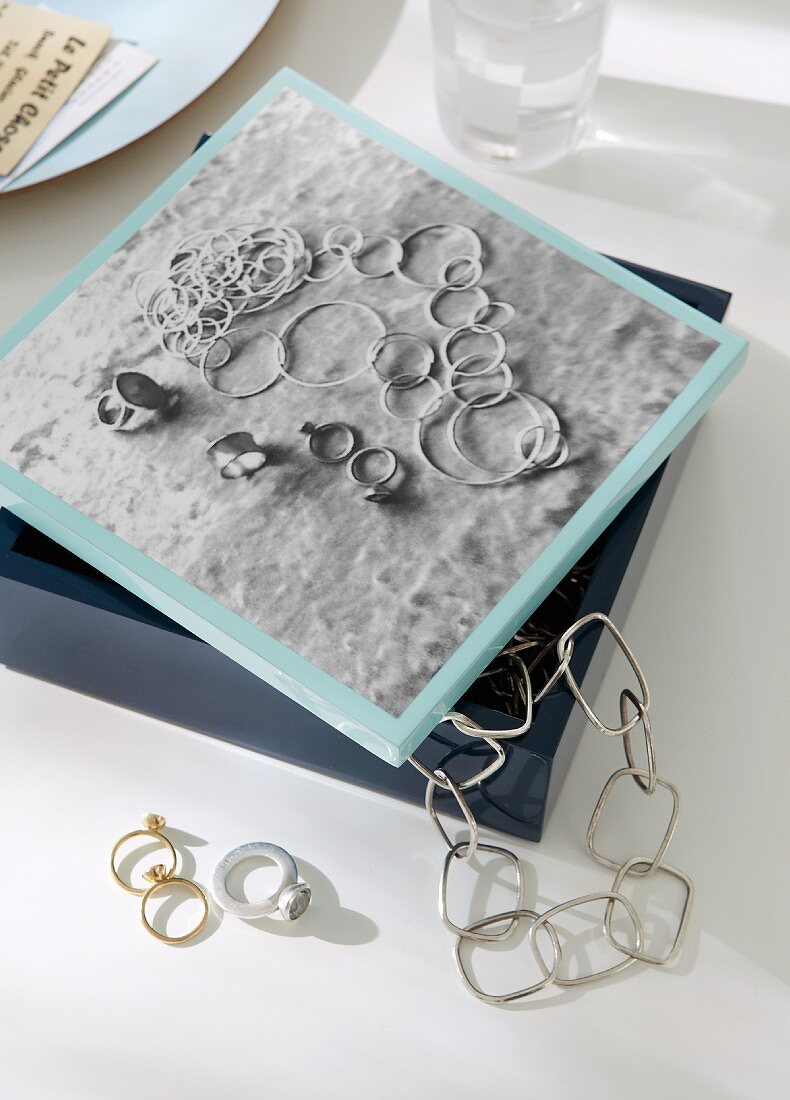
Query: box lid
x=348 y=278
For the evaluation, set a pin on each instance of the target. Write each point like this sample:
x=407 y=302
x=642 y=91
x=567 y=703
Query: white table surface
x=359 y=998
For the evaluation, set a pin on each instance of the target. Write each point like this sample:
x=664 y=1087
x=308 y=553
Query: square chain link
x=655 y=862
x=643 y=956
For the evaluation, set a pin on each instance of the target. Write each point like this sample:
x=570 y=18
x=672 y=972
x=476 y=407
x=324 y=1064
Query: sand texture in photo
x=378 y=596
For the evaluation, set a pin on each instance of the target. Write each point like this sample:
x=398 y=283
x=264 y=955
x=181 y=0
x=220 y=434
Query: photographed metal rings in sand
x=415 y=347
x=276 y=264
x=214 y=318
x=333 y=240
x=460 y=380
x=364 y=454
x=454 y=387
x=490 y=360
x=214 y=276
x=263 y=285
x=557 y=455
x=237 y=455
x=144 y=286
x=373 y=481
x=212 y=371
x=339 y=263
x=460 y=272
x=132 y=401
x=214 y=354
x=473 y=248
x=320 y=441
x=408 y=383
x=370 y=245
x=495 y=315
x=292 y=325
x=171 y=304
x=456 y=297
x=555 y=451
x=534 y=427
x=534 y=431
x=290 y=898
x=183 y=343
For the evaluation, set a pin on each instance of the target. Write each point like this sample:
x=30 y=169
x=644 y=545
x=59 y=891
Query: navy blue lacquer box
x=62 y=621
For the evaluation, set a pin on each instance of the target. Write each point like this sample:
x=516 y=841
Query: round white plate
x=195 y=41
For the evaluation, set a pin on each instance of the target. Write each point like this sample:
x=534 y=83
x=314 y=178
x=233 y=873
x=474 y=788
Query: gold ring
x=171 y=882
x=128 y=836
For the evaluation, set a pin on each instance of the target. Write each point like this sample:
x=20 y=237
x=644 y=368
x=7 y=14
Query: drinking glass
x=514 y=78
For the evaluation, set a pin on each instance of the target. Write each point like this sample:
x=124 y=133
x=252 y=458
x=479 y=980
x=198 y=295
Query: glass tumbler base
x=541 y=140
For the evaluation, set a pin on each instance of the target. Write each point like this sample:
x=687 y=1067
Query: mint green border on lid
x=389 y=737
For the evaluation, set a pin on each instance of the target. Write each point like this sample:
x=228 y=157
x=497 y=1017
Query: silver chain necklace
x=499 y=926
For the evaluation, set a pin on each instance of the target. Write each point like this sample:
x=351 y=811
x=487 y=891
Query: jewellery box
x=343 y=414
x=62 y=621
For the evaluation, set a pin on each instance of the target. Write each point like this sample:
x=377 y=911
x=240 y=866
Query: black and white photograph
x=340 y=397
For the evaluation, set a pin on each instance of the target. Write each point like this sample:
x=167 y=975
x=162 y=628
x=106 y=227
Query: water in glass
x=514 y=78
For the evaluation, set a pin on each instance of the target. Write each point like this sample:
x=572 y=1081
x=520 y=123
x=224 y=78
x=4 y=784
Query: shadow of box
x=62 y=621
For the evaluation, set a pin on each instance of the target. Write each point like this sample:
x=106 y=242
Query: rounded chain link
x=637 y=866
